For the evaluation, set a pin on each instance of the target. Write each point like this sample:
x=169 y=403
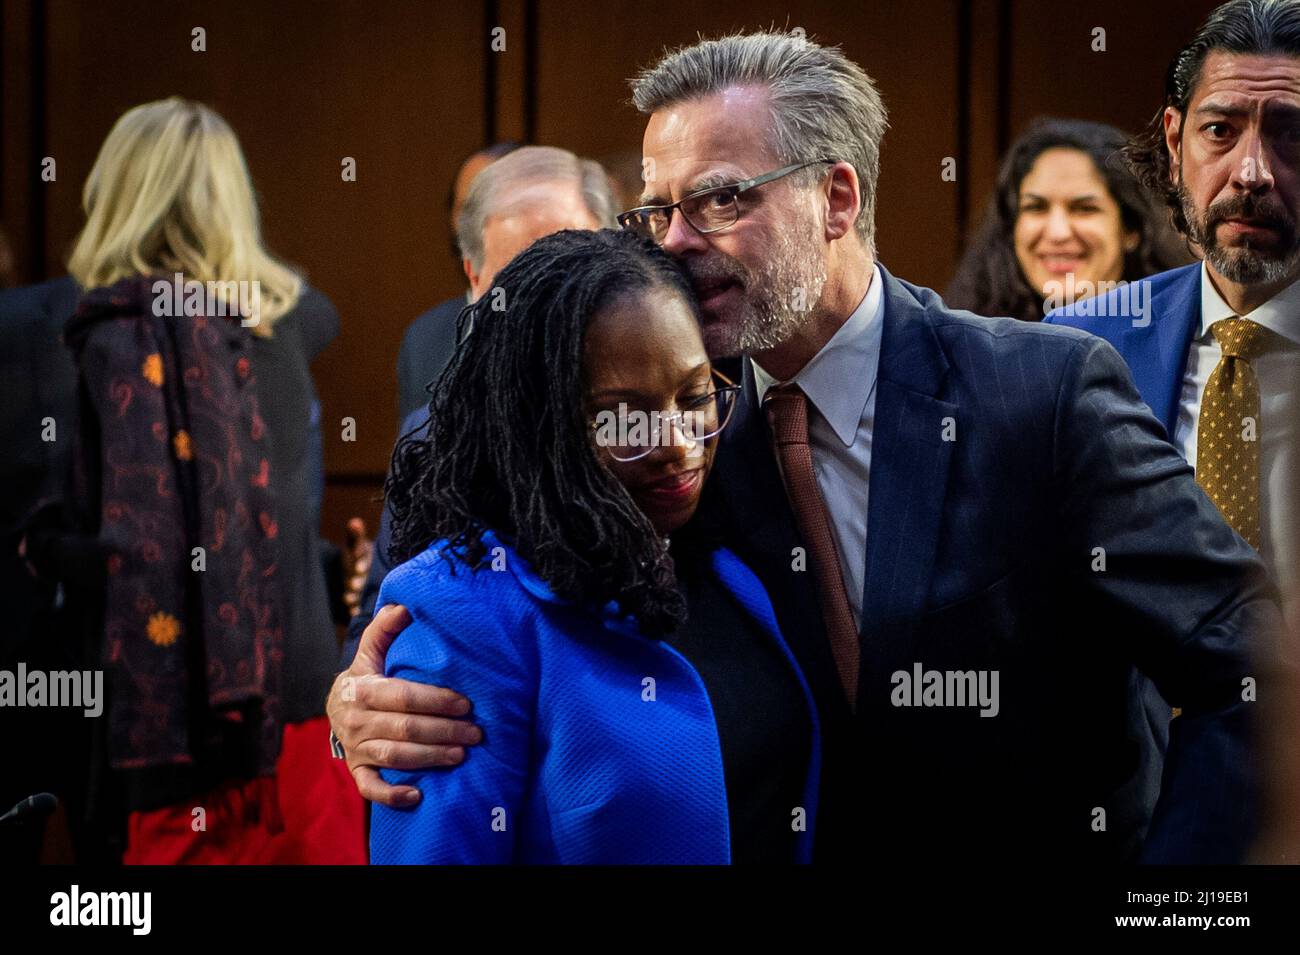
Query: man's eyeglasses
x=708 y=210
x=631 y=434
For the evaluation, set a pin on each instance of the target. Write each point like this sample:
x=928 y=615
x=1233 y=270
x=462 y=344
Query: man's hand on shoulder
x=383 y=722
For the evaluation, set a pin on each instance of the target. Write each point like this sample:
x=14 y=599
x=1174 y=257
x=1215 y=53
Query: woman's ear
x=844 y=200
x=1132 y=239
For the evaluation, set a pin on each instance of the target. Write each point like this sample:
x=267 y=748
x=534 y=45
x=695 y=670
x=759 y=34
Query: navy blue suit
x=1156 y=345
x=1007 y=458
x=427 y=347
x=37 y=380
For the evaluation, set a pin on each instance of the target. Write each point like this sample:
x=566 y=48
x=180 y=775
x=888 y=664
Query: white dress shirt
x=840 y=382
x=1278 y=373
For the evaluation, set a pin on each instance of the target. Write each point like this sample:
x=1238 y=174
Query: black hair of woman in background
x=1065 y=203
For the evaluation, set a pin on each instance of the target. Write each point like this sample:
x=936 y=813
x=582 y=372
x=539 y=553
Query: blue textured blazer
x=1156 y=346
x=583 y=759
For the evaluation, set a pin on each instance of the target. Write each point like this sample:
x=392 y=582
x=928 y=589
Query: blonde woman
x=195 y=479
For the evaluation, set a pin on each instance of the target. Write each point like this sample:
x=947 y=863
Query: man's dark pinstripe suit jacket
x=1026 y=515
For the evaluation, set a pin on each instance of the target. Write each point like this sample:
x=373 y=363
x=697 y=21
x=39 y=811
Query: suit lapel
x=909 y=463
x=1157 y=352
x=909 y=470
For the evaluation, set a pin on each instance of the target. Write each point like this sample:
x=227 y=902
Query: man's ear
x=471 y=276
x=844 y=200
x=1174 y=141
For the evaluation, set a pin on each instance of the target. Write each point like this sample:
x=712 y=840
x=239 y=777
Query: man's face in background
x=758 y=280
x=1236 y=159
x=470 y=168
x=531 y=213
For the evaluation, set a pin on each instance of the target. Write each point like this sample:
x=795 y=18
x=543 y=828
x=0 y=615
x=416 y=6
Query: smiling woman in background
x=1064 y=205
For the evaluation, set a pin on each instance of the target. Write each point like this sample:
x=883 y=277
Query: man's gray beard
x=1240 y=264
x=1246 y=266
x=784 y=297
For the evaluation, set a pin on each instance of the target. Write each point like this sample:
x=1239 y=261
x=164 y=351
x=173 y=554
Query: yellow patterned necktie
x=1228 y=430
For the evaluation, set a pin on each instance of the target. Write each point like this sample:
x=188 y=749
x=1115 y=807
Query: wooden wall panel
x=403 y=86
x=585 y=60
x=1054 y=70
x=396 y=85
x=21 y=195
x=1032 y=59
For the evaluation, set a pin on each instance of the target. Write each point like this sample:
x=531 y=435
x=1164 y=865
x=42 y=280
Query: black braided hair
x=513 y=450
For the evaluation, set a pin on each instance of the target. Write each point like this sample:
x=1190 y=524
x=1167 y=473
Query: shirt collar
x=1280 y=314
x=852 y=355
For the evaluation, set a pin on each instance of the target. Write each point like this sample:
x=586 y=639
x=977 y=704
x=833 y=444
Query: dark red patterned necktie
x=787 y=416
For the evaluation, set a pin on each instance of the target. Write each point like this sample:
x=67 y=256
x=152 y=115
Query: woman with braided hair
x=638 y=702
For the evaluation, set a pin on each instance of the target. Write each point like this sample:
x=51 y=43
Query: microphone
x=41 y=804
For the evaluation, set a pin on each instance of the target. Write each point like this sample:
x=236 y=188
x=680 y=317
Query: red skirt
x=308 y=813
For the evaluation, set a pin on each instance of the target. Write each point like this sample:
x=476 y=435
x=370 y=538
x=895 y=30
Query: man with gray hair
x=529 y=193
x=922 y=490
x=515 y=200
